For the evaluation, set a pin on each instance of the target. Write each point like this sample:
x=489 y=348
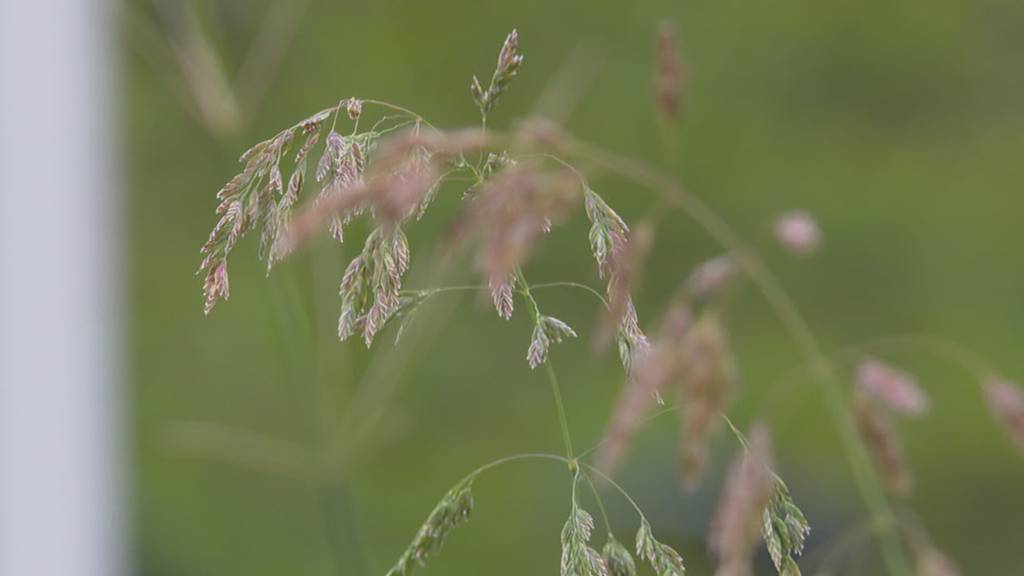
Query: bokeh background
x=898 y=123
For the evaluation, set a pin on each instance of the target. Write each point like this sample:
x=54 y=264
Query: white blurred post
x=61 y=512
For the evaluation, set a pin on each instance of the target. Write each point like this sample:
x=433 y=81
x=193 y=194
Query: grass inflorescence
x=386 y=164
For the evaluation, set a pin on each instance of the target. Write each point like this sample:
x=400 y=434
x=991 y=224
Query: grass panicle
x=371 y=159
x=453 y=510
x=509 y=61
x=578 y=557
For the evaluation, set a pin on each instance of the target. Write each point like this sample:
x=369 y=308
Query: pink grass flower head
x=712 y=277
x=798 y=232
x=896 y=389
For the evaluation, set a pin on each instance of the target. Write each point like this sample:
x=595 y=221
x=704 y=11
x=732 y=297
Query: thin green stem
x=514 y=458
x=567 y=284
x=556 y=390
x=615 y=485
x=562 y=421
x=639 y=425
x=481 y=287
x=401 y=109
x=600 y=504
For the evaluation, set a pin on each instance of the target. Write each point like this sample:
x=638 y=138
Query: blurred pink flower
x=798 y=232
x=896 y=389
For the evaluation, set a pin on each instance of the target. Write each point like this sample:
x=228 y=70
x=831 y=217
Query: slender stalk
x=615 y=485
x=859 y=462
x=562 y=421
x=600 y=504
x=556 y=390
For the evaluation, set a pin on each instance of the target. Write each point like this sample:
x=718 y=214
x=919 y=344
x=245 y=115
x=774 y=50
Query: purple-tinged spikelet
x=652 y=368
x=624 y=270
x=511 y=212
x=509 y=61
x=711 y=278
x=216 y=286
x=547 y=329
x=501 y=293
x=670 y=70
x=736 y=526
x=896 y=389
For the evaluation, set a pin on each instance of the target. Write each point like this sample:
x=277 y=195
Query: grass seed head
x=736 y=526
x=617 y=558
x=454 y=509
x=578 y=558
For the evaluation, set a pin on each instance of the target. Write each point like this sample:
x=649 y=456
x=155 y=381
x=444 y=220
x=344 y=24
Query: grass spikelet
x=608 y=231
x=665 y=560
x=509 y=61
x=617 y=558
x=654 y=366
x=618 y=254
x=783 y=525
x=896 y=389
x=216 y=286
x=578 y=558
x=454 y=509
x=511 y=212
x=247 y=202
x=501 y=294
x=1006 y=400
x=626 y=267
x=545 y=330
x=736 y=526
x=785 y=530
x=371 y=284
x=670 y=70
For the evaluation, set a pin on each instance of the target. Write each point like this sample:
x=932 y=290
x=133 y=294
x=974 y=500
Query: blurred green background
x=899 y=123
